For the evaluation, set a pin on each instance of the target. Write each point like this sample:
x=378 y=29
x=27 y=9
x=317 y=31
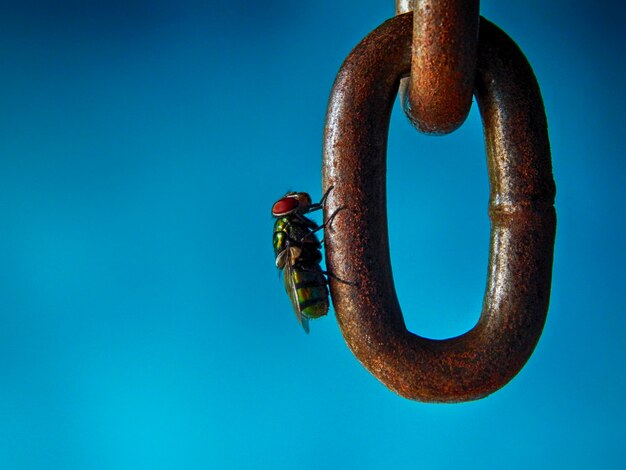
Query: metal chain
x=523 y=220
x=438 y=95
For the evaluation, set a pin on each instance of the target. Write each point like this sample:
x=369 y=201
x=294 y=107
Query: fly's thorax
x=309 y=255
x=279 y=242
x=294 y=231
x=283 y=233
x=281 y=224
x=302 y=231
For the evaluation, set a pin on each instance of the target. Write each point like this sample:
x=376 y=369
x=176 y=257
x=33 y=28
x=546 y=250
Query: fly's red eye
x=284 y=206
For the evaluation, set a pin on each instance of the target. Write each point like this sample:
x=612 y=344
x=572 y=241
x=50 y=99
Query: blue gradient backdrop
x=142 y=322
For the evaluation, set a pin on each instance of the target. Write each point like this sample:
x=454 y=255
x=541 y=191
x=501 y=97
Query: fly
x=298 y=254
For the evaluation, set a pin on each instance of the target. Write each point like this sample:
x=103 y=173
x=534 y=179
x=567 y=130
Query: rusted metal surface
x=438 y=95
x=523 y=221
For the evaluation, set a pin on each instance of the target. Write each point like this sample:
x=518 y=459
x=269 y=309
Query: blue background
x=142 y=322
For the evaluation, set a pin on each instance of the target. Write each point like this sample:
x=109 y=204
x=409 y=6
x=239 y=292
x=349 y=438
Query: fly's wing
x=290 y=287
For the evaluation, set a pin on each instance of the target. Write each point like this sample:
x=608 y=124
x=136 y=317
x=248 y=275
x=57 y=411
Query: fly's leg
x=322 y=203
x=329 y=274
x=338 y=279
x=328 y=224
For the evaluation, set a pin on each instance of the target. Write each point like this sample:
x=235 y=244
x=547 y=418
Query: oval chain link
x=523 y=220
x=438 y=95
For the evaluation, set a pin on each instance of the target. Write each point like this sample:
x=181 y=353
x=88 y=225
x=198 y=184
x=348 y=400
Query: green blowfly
x=298 y=255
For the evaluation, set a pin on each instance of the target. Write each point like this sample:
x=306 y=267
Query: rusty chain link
x=438 y=94
x=521 y=210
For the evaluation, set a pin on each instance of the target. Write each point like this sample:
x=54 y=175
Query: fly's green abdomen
x=312 y=291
